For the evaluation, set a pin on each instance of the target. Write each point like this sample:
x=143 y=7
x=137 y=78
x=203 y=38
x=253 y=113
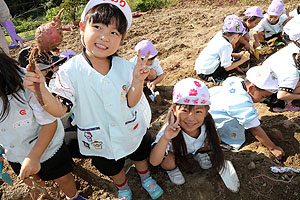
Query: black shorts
x=111 y=167
x=219 y=75
x=57 y=166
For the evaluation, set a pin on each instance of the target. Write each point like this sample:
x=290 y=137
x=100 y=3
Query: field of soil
x=179 y=34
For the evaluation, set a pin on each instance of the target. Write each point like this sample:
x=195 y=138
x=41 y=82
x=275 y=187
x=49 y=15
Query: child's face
x=190 y=120
x=252 y=24
x=101 y=40
x=258 y=95
x=273 y=19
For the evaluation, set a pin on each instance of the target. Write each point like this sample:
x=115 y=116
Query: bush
x=146 y=5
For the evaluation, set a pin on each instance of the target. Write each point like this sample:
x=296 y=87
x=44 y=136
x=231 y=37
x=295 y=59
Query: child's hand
x=255 y=44
x=29 y=167
x=173 y=128
x=241 y=53
x=33 y=77
x=277 y=152
x=141 y=71
x=245 y=58
x=151 y=85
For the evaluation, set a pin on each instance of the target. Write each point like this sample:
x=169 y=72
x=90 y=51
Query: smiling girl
x=189 y=129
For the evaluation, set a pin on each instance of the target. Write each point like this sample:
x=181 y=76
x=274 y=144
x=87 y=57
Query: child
x=189 y=129
x=215 y=61
x=32 y=138
x=156 y=74
x=233 y=109
x=253 y=16
x=271 y=25
x=105 y=93
x=286 y=65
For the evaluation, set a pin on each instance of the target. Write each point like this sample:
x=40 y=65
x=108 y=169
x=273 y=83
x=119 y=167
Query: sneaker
x=292 y=108
x=203 y=160
x=279 y=43
x=152 y=188
x=288 y=107
x=261 y=46
x=176 y=176
x=125 y=194
x=80 y=198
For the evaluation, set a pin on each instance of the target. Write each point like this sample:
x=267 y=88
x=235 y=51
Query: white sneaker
x=203 y=160
x=176 y=176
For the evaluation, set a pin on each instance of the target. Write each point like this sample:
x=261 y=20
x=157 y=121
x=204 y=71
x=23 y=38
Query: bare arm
x=51 y=104
x=263 y=138
x=31 y=164
x=159 y=79
x=140 y=73
x=237 y=63
x=286 y=96
x=158 y=152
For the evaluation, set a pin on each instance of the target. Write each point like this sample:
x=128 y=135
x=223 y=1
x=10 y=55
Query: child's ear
x=251 y=89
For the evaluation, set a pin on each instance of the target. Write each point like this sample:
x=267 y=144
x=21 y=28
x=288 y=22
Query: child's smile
x=191 y=120
x=101 y=40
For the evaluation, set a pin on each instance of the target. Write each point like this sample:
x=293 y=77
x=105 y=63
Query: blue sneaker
x=152 y=188
x=125 y=195
x=80 y=198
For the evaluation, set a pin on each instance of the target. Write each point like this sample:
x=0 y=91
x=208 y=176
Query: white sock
x=71 y=198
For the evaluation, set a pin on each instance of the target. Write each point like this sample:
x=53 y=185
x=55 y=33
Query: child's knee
x=152 y=75
x=169 y=162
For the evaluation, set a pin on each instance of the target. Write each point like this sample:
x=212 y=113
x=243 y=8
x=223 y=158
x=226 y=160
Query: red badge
x=22 y=112
x=135 y=126
x=124 y=87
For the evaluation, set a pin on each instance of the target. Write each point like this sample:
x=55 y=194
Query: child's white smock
x=233 y=111
x=269 y=29
x=107 y=127
x=20 y=130
x=218 y=50
x=192 y=144
x=283 y=65
x=294 y=13
x=155 y=65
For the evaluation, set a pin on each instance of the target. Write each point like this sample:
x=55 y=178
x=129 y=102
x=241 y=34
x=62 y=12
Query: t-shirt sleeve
x=62 y=86
x=158 y=68
x=244 y=112
x=225 y=56
x=42 y=116
x=254 y=123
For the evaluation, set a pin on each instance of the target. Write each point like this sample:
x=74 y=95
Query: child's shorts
x=57 y=166
x=111 y=167
x=218 y=76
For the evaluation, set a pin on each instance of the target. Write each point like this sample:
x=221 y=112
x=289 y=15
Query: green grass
x=24 y=35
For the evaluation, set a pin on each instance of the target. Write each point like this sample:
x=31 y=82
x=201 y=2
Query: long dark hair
x=11 y=82
x=180 y=149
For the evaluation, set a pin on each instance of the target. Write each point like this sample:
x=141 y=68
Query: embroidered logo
x=22 y=112
x=88 y=136
x=232 y=90
x=124 y=87
x=135 y=126
x=85 y=144
x=97 y=144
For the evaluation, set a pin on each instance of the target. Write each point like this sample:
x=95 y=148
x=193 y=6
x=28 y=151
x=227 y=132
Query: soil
x=179 y=34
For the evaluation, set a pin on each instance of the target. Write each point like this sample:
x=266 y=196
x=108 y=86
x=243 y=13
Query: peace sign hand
x=173 y=128
x=141 y=71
